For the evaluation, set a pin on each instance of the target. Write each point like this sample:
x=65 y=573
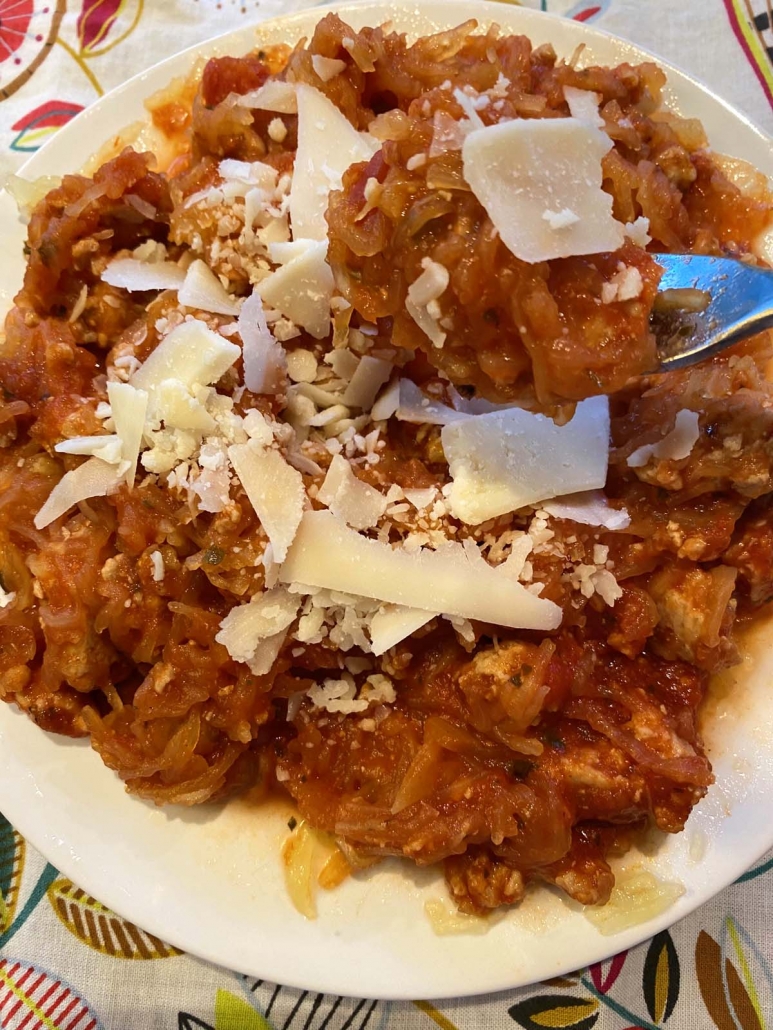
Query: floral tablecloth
x=66 y=962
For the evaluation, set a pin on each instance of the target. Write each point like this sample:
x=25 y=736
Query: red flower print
x=15 y=18
x=28 y=29
x=95 y=21
x=38 y=125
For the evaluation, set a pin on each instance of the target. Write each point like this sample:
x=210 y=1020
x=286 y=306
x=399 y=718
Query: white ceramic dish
x=209 y=880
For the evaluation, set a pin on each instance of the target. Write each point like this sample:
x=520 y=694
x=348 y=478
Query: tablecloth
x=66 y=962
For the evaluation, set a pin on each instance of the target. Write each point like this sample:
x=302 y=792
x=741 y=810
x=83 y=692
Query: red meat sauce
x=524 y=757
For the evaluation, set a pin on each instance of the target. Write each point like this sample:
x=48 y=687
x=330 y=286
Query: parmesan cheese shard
x=174 y=404
x=273 y=95
x=129 y=407
x=393 y=623
x=106 y=447
x=387 y=403
x=584 y=105
x=674 y=446
x=191 y=353
x=204 y=291
x=137 y=276
x=94 y=478
x=423 y=293
x=522 y=168
x=301 y=290
x=265 y=364
x=327 y=144
x=507 y=459
x=283 y=253
x=369 y=376
x=359 y=505
x=248 y=626
x=590 y=508
x=415 y=406
x=275 y=490
x=327 y=554
x=327 y=67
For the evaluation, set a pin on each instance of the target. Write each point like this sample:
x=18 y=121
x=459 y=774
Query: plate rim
x=24 y=820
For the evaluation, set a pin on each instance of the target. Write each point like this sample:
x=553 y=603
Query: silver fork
x=706 y=304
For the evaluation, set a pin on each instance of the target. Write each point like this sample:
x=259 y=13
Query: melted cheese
x=301 y=290
x=326 y=553
x=191 y=353
x=94 y=478
x=358 y=504
x=507 y=459
x=526 y=170
x=327 y=144
x=275 y=490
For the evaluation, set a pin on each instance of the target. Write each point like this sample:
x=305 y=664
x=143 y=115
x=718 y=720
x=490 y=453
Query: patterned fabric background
x=66 y=962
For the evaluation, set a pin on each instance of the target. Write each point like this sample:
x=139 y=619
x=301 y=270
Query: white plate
x=209 y=880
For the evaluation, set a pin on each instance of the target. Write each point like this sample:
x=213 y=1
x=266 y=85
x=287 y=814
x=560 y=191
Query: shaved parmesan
x=271 y=96
x=584 y=105
x=266 y=616
x=266 y=653
x=204 y=291
x=519 y=169
x=108 y=448
x=191 y=353
x=249 y=173
x=283 y=252
x=327 y=144
x=265 y=364
x=326 y=553
x=368 y=378
x=475 y=405
x=327 y=67
x=674 y=446
x=129 y=407
x=505 y=460
x=302 y=289
x=415 y=406
x=358 y=504
x=393 y=623
x=421 y=498
x=136 y=276
x=94 y=478
x=275 y=490
x=422 y=293
x=174 y=404
x=387 y=403
x=590 y=508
